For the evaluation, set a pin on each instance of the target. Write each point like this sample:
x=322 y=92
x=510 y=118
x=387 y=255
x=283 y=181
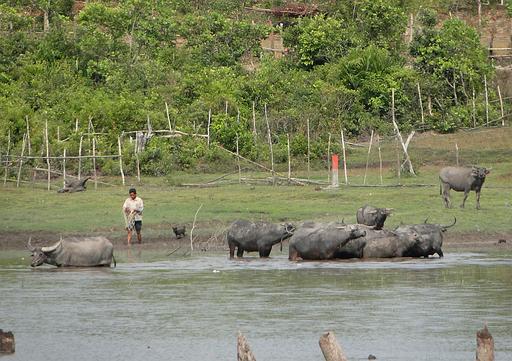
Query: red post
x=334 y=178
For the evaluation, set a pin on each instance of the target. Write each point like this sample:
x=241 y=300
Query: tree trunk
x=330 y=347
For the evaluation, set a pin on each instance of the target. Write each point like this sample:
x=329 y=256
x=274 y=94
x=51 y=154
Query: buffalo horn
x=51 y=248
x=451 y=225
x=29 y=245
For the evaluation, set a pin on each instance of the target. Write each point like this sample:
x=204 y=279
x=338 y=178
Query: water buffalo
x=74 y=252
x=462 y=179
x=256 y=236
x=388 y=244
x=321 y=241
x=431 y=238
x=77 y=185
x=372 y=216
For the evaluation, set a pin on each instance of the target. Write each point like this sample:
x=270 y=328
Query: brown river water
x=191 y=307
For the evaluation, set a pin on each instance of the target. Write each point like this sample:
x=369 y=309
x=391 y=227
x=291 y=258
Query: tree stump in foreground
x=484 y=345
x=7 y=344
x=330 y=347
x=244 y=352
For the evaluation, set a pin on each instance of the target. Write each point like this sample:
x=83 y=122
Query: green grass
x=31 y=208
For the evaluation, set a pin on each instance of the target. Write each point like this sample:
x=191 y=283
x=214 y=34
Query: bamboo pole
x=344 y=156
x=289 y=157
x=501 y=107
x=238 y=149
x=368 y=157
x=398 y=167
x=58 y=133
x=254 y=132
x=137 y=158
x=47 y=152
x=330 y=347
x=226 y=108
x=380 y=159
x=7 y=156
x=192 y=230
x=329 y=159
x=479 y=5
x=29 y=147
x=421 y=104
x=270 y=147
x=76 y=125
x=474 y=108
x=168 y=117
x=94 y=163
x=457 y=154
x=486 y=100
x=309 y=149
x=21 y=160
x=120 y=158
x=208 y=129
x=80 y=158
x=64 y=169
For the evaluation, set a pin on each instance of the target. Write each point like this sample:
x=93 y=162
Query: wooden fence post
x=47 y=152
x=208 y=127
x=94 y=163
x=64 y=169
x=473 y=102
x=331 y=348
x=368 y=157
x=309 y=149
x=344 y=156
x=380 y=159
x=120 y=158
x=329 y=159
x=270 y=147
x=421 y=104
x=254 y=132
x=168 y=117
x=486 y=100
x=243 y=349
x=137 y=157
x=289 y=157
x=457 y=154
x=29 y=147
x=484 y=345
x=21 y=160
x=501 y=107
x=238 y=149
x=399 y=135
x=7 y=156
x=80 y=157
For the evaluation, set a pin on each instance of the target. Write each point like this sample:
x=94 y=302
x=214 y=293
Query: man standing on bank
x=133 y=207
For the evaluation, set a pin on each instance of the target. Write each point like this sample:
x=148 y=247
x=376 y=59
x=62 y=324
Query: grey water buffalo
x=462 y=179
x=388 y=244
x=250 y=236
x=72 y=186
x=372 y=216
x=320 y=241
x=74 y=252
x=431 y=238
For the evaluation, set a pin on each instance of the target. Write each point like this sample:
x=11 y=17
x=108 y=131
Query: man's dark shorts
x=138 y=226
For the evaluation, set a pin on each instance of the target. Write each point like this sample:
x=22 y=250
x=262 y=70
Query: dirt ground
x=454 y=241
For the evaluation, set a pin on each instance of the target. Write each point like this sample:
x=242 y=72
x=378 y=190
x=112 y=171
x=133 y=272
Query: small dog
x=179 y=231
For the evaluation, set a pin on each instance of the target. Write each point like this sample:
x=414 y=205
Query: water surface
x=190 y=308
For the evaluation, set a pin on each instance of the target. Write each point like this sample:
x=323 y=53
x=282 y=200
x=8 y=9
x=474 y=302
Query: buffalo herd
x=337 y=240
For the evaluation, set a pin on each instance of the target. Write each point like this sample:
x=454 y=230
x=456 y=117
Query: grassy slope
x=32 y=209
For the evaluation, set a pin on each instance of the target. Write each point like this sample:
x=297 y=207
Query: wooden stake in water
x=368 y=157
x=120 y=159
x=269 y=136
x=21 y=159
x=344 y=156
x=7 y=156
x=330 y=347
x=47 y=152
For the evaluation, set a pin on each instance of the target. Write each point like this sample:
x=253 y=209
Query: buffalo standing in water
x=256 y=236
x=462 y=179
x=372 y=216
x=87 y=252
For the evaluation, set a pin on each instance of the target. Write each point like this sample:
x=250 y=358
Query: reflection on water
x=190 y=308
